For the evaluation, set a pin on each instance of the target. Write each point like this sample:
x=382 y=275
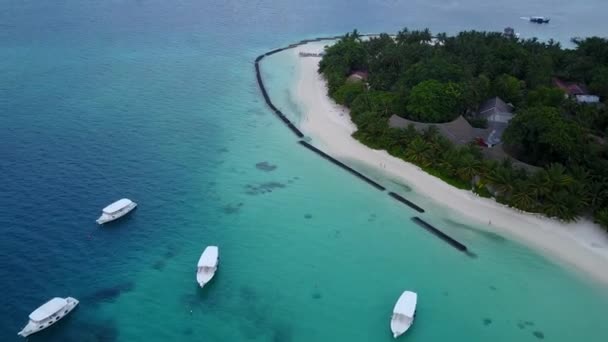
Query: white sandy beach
x=581 y=245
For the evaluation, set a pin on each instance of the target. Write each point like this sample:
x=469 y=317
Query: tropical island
x=521 y=121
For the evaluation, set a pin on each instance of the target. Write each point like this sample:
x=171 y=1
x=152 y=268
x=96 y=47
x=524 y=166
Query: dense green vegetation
x=436 y=82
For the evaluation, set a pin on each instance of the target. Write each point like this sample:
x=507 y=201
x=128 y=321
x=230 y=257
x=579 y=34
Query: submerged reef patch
x=263 y=188
x=539 y=335
x=110 y=293
x=265 y=166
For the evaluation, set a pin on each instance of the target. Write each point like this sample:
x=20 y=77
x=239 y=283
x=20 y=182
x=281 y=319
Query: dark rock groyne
x=406 y=202
x=443 y=236
x=342 y=165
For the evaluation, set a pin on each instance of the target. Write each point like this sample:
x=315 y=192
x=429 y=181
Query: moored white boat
x=48 y=314
x=207 y=265
x=116 y=210
x=404 y=313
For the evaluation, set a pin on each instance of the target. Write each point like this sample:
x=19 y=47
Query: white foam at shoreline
x=582 y=245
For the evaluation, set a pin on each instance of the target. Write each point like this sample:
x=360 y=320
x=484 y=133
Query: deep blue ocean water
x=157 y=101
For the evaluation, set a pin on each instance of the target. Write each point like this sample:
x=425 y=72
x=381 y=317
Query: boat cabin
x=406 y=306
x=117 y=206
x=209 y=259
x=48 y=309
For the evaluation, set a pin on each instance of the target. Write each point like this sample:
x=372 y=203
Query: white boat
x=48 y=314
x=404 y=313
x=207 y=265
x=116 y=210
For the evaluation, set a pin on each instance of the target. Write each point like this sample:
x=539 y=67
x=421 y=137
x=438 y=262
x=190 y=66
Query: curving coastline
x=438 y=233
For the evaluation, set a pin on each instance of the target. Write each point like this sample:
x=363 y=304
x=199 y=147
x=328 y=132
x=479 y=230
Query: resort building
x=509 y=32
x=458 y=131
x=497 y=113
x=576 y=91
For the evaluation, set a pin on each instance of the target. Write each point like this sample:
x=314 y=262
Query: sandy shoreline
x=581 y=245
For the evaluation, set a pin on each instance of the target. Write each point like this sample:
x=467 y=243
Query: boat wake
x=524 y=18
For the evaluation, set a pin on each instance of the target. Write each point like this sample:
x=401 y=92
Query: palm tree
x=550 y=180
x=469 y=167
x=431 y=133
x=539 y=184
x=402 y=36
x=598 y=192
x=601 y=217
x=449 y=161
x=426 y=35
x=442 y=37
x=579 y=173
x=581 y=197
x=523 y=197
x=501 y=179
x=417 y=152
x=560 y=204
x=557 y=176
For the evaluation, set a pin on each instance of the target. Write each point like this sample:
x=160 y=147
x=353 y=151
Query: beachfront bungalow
x=497 y=113
x=460 y=132
x=576 y=91
x=358 y=76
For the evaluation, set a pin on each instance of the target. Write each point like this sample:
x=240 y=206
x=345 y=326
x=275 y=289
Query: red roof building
x=570 y=88
x=576 y=91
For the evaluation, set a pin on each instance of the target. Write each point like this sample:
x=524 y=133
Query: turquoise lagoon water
x=157 y=101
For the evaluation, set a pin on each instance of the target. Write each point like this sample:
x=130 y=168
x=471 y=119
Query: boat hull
x=399 y=328
x=34 y=327
x=204 y=277
x=207 y=265
x=404 y=313
x=105 y=218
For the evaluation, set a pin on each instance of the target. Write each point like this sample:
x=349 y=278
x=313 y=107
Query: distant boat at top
x=404 y=313
x=540 y=20
x=48 y=314
x=116 y=210
x=207 y=265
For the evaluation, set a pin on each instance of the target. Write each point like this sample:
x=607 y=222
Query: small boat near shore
x=48 y=314
x=116 y=210
x=207 y=265
x=404 y=313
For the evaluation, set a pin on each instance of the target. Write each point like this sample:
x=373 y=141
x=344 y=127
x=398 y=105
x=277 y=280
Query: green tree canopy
x=509 y=88
x=434 y=101
x=542 y=135
x=546 y=96
x=348 y=92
